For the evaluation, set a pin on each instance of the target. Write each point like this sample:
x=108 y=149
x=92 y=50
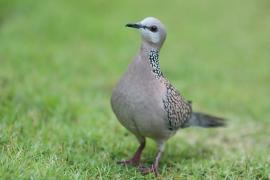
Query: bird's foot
x=147 y=170
x=131 y=162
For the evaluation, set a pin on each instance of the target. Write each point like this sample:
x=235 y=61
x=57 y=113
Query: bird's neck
x=151 y=53
x=154 y=63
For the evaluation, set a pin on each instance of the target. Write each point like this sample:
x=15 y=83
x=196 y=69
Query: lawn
x=59 y=61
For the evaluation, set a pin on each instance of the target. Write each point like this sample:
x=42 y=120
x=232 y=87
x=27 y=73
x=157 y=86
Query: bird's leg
x=135 y=160
x=154 y=167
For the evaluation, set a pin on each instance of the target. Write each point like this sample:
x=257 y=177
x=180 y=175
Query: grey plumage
x=146 y=103
x=204 y=120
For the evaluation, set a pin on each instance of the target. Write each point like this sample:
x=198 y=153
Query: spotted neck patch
x=154 y=62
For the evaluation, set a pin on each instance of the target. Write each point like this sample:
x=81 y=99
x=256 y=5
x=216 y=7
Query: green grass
x=59 y=61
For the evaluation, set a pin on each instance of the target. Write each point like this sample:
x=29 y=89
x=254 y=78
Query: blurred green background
x=59 y=61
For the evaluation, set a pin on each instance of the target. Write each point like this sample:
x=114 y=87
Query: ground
x=59 y=61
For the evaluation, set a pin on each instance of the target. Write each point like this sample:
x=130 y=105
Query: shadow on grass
x=188 y=153
x=175 y=155
x=174 y=158
x=196 y=151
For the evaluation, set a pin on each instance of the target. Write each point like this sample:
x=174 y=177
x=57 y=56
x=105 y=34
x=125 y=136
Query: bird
x=147 y=104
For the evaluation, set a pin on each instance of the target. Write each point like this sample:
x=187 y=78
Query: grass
x=59 y=61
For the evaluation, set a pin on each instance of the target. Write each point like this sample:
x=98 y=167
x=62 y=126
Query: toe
x=147 y=170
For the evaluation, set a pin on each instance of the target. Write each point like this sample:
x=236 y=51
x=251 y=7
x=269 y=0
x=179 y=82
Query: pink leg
x=135 y=160
x=154 y=166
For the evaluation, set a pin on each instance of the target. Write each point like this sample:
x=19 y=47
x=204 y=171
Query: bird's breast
x=138 y=105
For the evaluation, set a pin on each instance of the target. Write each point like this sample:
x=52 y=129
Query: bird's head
x=152 y=30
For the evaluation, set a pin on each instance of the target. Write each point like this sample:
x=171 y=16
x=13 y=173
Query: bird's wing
x=177 y=108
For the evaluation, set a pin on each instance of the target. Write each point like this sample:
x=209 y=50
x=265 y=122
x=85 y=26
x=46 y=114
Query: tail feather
x=205 y=120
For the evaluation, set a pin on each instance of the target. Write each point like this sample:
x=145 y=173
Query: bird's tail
x=205 y=120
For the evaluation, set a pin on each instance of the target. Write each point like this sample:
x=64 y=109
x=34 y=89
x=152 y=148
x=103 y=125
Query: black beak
x=137 y=26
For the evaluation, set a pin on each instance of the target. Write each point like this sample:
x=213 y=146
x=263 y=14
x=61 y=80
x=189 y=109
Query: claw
x=147 y=170
x=135 y=160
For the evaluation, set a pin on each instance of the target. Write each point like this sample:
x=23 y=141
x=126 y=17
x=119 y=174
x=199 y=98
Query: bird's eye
x=153 y=28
